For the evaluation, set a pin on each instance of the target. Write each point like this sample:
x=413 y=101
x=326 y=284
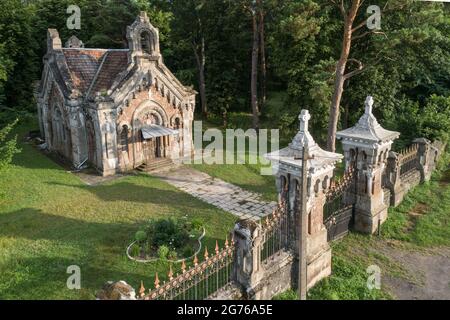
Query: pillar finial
x=369 y=104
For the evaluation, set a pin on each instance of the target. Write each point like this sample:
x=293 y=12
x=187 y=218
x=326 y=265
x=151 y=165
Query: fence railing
x=409 y=159
x=275 y=233
x=200 y=281
x=335 y=202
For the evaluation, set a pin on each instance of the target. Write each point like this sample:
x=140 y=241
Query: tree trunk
x=263 y=61
x=201 y=59
x=254 y=76
x=340 y=75
x=225 y=118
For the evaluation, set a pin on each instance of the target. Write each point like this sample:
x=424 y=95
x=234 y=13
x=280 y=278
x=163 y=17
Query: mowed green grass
x=50 y=220
x=423 y=218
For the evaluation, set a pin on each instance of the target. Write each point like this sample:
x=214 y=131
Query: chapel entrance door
x=153 y=149
x=149 y=150
x=158 y=148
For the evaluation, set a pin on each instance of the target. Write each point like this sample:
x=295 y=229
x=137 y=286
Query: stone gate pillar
x=287 y=167
x=424 y=159
x=366 y=146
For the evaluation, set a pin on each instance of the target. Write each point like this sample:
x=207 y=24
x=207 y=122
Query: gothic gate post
x=287 y=167
x=366 y=146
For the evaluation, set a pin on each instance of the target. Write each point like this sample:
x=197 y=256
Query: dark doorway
x=158 y=148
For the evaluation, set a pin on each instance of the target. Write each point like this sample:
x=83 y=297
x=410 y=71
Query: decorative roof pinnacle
x=369 y=104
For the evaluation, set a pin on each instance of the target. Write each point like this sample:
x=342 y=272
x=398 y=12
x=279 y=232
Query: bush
x=168 y=232
x=169 y=238
x=140 y=237
x=287 y=295
x=188 y=251
x=163 y=252
x=412 y=120
x=172 y=255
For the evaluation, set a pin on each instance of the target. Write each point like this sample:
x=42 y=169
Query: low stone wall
x=231 y=292
x=277 y=277
x=424 y=157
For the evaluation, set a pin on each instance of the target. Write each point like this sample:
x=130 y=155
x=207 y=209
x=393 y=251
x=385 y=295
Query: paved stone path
x=226 y=196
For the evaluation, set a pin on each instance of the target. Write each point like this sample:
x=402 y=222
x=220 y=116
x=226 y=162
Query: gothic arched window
x=146 y=44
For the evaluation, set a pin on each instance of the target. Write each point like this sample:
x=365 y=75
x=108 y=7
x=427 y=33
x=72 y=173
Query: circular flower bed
x=167 y=239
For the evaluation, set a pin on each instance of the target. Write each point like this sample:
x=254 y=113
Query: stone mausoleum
x=114 y=109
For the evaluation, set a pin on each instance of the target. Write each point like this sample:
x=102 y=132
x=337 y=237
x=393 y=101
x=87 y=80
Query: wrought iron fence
x=409 y=159
x=275 y=233
x=336 y=202
x=200 y=281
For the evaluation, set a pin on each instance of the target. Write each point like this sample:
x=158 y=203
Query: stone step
x=156 y=165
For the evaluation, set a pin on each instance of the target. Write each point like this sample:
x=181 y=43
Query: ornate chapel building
x=114 y=109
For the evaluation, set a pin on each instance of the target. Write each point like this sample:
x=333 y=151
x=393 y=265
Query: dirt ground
x=430 y=271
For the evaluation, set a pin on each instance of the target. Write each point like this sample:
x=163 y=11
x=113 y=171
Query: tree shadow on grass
x=130 y=192
x=46 y=278
x=32 y=158
x=34 y=224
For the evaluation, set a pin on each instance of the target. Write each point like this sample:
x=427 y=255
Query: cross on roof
x=304 y=118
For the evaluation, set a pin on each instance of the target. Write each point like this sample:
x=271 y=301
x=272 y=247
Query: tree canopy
x=209 y=43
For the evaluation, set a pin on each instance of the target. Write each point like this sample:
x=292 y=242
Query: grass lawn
x=49 y=220
x=423 y=218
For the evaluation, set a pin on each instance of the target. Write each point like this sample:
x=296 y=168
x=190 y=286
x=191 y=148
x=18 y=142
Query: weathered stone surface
x=366 y=146
x=288 y=169
x=277 y=277
x=230 y=292
x=116 y=291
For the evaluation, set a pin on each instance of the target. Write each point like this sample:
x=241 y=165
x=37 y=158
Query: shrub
x=163 y=231
x=141 y=237
x=163 y=252
x=172 y=255
x=169 y=238
x=188 y=251
x=168 y=232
